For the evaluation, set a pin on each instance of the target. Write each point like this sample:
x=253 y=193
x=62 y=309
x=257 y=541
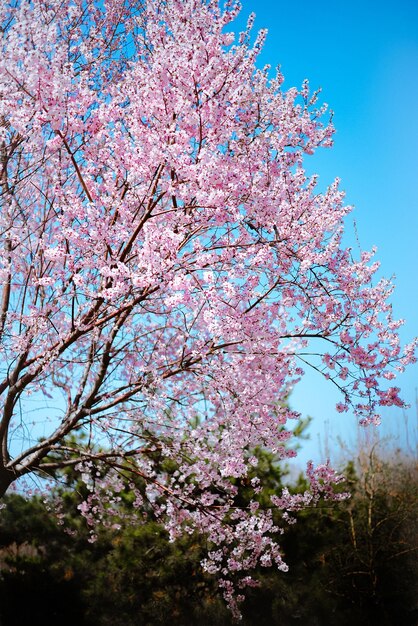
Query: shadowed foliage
x=351 y=562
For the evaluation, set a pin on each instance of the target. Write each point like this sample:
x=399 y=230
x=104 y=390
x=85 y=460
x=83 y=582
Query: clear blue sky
x=364 y=56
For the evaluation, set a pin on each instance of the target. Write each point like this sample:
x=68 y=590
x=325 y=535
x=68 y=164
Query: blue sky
x=364 y=56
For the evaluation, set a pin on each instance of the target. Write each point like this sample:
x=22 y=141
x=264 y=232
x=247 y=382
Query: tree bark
x=6 y=479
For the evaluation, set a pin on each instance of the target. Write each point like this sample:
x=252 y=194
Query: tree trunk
x=6 y=479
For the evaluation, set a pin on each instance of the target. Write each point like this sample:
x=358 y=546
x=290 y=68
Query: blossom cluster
x=168 y=268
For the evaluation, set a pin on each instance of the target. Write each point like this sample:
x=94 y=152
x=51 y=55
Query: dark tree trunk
x=6 y=479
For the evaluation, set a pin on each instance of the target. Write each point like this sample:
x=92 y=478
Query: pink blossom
x=168 y=268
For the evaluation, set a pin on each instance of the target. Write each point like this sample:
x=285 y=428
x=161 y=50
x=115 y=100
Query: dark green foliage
x=133 y=577
x=37 y=582
x=153 y=581
x=350 y=562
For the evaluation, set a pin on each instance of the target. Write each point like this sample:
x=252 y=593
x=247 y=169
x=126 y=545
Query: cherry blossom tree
x=168 y=269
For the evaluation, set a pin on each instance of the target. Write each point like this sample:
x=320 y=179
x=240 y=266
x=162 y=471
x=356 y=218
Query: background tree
x=377 y=571
x=350 y=560
x=164 y=255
